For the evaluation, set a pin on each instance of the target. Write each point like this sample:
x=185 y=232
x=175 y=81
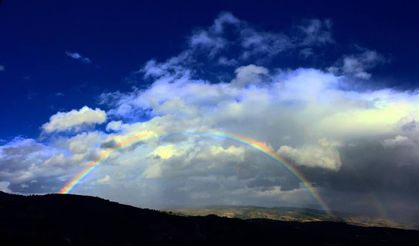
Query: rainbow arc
x=126 y=141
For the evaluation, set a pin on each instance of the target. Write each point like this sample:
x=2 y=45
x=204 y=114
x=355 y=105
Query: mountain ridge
x=56 y=219
x=287 y=214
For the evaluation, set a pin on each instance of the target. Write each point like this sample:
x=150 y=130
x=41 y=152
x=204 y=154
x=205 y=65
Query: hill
x=286 y=214
x=82 y=220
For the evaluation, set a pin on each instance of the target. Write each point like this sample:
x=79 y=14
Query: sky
x=184 y=103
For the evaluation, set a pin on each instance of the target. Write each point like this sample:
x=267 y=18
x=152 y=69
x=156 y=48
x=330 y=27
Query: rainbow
x=264 y=148
x=126 y=141
x=122 y=142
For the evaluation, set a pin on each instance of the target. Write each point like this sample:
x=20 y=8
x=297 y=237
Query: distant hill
x=82 y=220
x=286 y=214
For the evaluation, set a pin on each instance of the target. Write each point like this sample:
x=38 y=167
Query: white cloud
x=105 y=180
x=324 y=155
x=398 y=140
x=167 y=151
x=203 y=39
x=224 y=19
x=230 y=41
x=292 y=98
x=316 y=32
x=226 y=61
x=306 y=52
x=306 y=105
x=259 y=43
x=84 y=144
x=2 y=68
x=74 y=119
x=22 y=160
x=357 y=65
x=78 y=56
x=114 y=126
x=249 y=74
x=212 y=38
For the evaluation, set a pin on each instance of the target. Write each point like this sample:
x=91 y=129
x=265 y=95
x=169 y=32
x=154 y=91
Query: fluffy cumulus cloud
x=74 y=119
x=248 y=74
x=181 y=141
x=22 y=161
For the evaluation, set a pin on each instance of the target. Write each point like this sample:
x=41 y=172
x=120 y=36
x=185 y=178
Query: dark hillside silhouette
x=81 y=220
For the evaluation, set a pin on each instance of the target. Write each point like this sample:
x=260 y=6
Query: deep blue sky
x=120 y=36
